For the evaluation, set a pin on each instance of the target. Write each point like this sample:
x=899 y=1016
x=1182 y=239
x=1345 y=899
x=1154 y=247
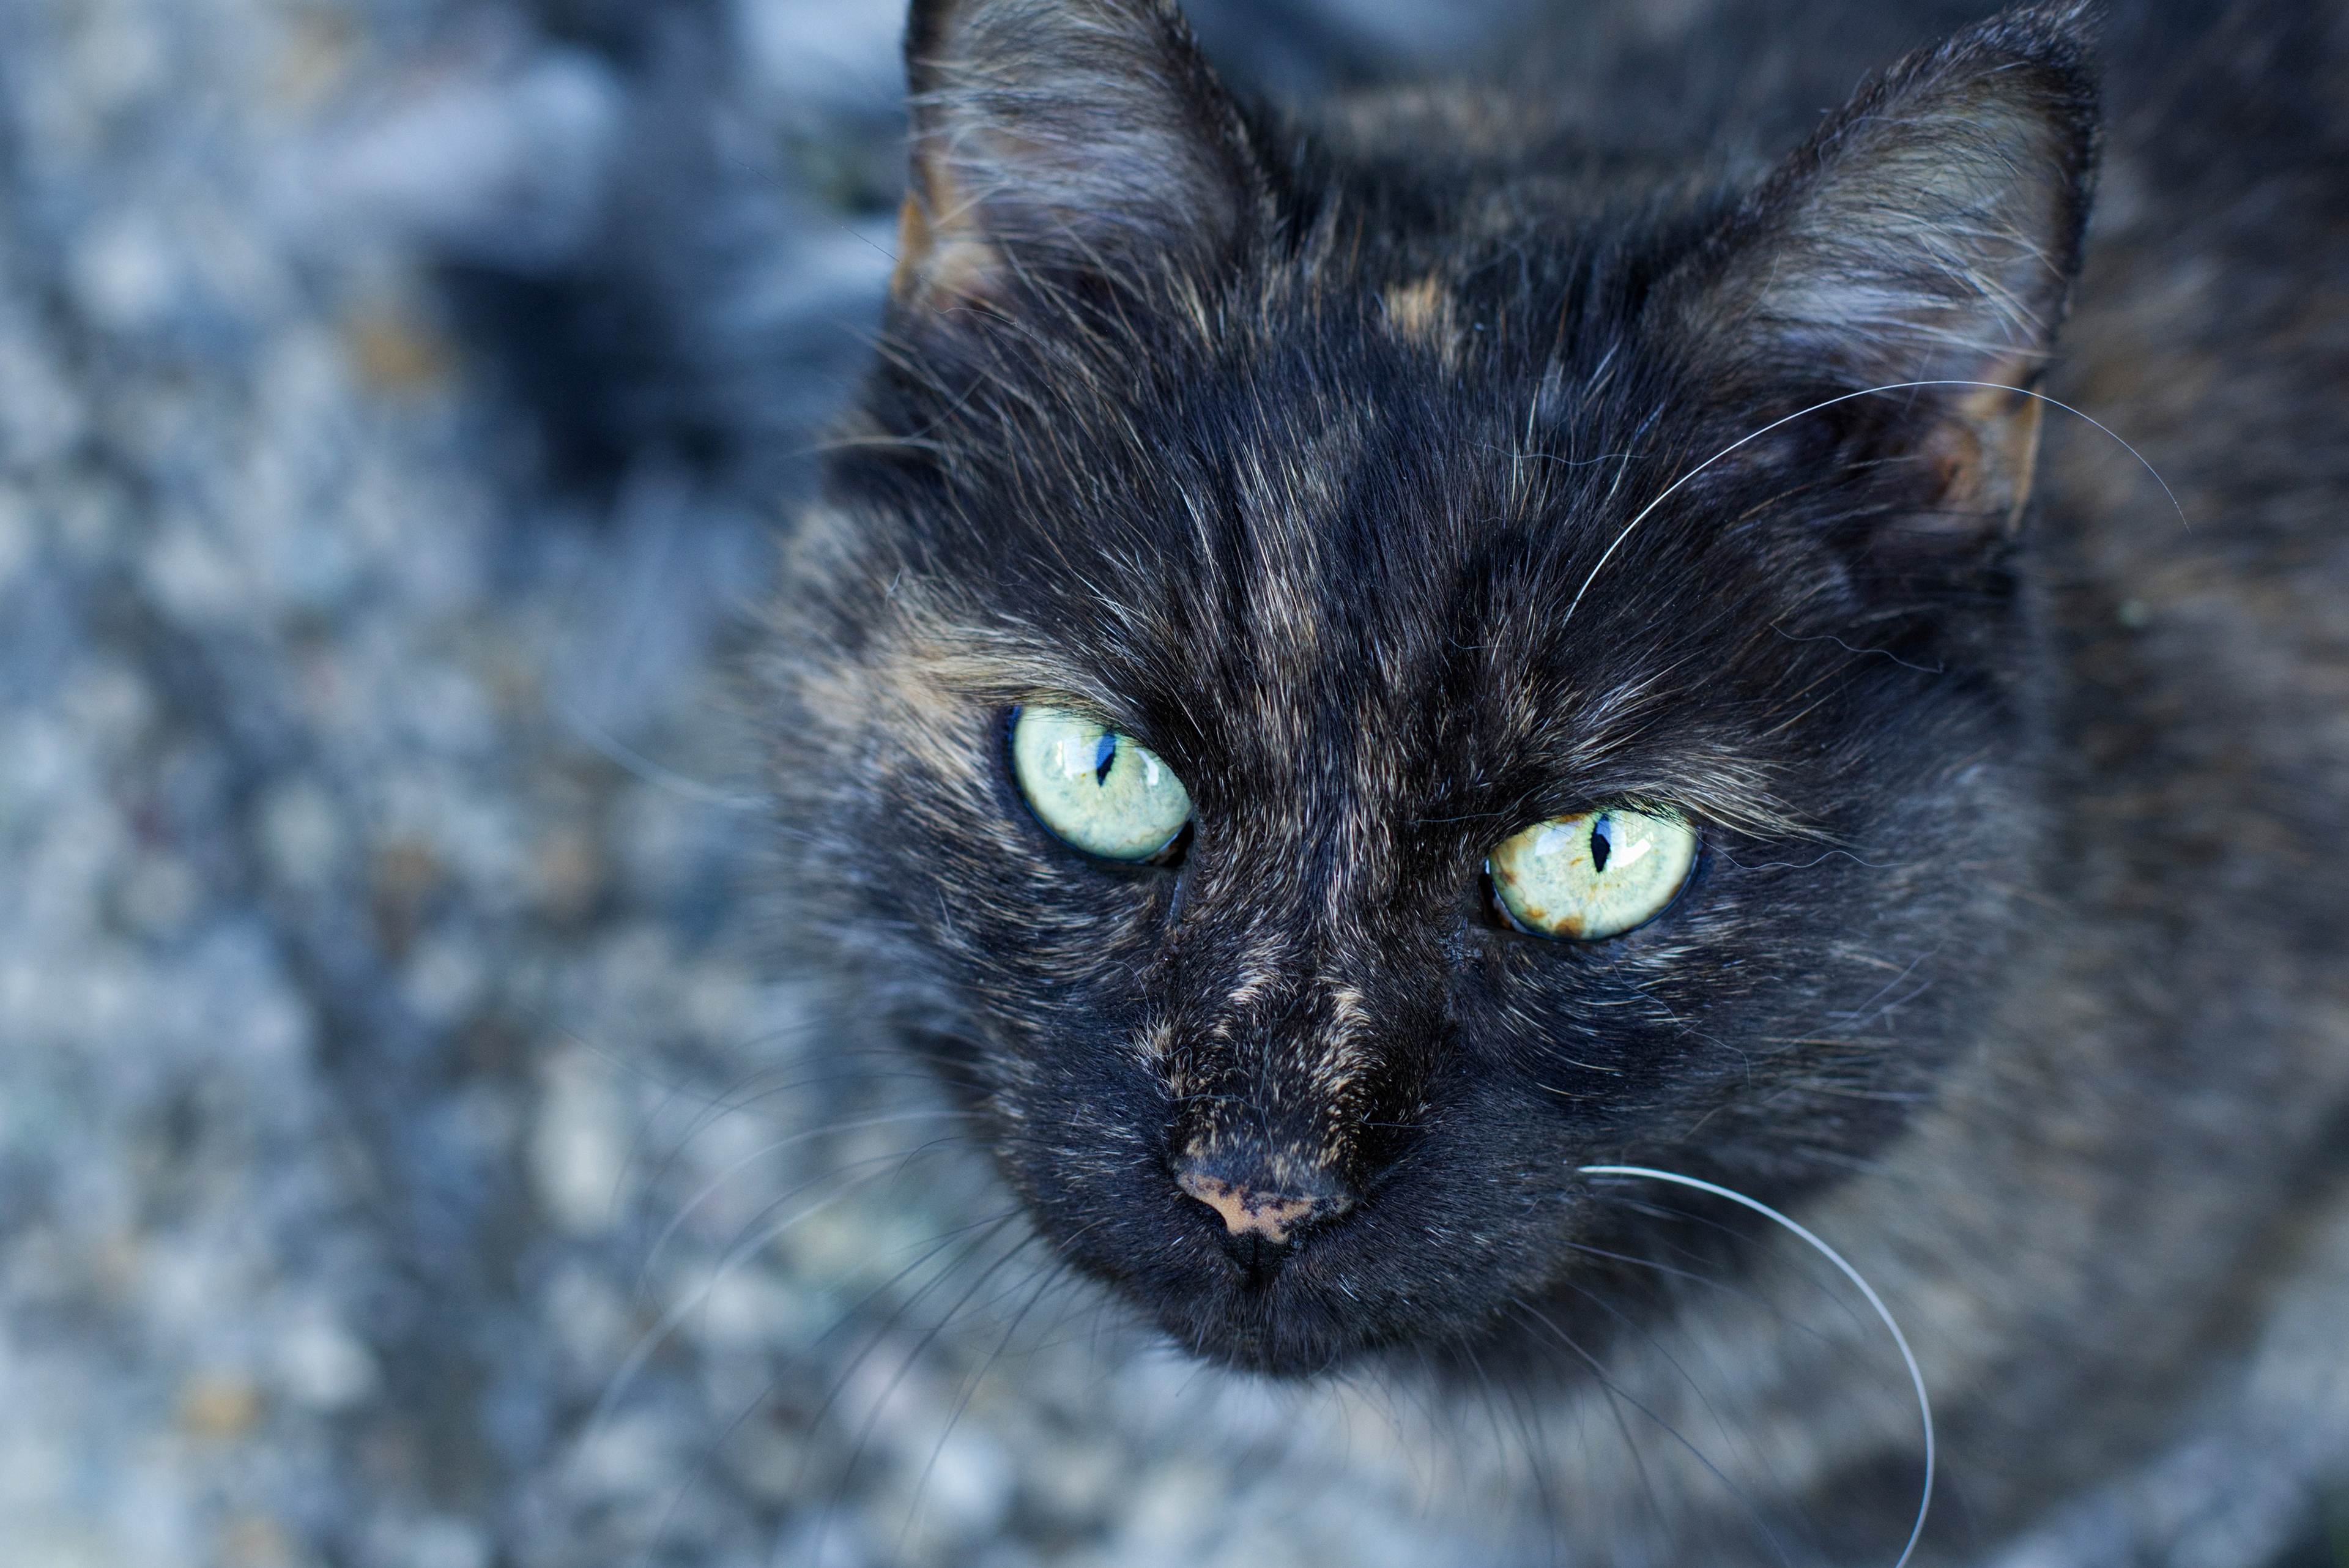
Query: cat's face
x=1400 y=541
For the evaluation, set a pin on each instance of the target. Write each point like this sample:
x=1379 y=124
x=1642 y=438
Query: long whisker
x=1617 y=1396
x=989 y=1228
x=1625 y=1322
x=652 y=1338
x=914 y=1353
x=672 y=1091
x=717 y=1183
x=1863 y=392
x=603 y=743
x=1908 y=1358
x=970 y=1384
x=1690 y=1216
x=755 y=1088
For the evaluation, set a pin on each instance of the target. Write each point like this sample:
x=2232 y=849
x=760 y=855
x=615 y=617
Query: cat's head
x=1344 y=682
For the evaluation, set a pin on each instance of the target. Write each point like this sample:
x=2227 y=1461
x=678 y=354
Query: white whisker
x=1863 y=392
x=613 y=749
x=1908 y=1358
x=717 y=1182
x=651 y=1339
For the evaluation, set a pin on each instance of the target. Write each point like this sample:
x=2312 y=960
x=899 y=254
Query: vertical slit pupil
x=1105 y=756
x=1603 y=842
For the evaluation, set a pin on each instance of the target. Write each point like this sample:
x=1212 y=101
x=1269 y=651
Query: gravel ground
x=403 y=1147
x=407 y=1157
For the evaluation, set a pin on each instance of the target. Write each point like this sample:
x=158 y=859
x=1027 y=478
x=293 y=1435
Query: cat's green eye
x=1095 y=787
x=1588 y=877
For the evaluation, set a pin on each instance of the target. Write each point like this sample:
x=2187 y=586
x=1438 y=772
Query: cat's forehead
x=1329 y=545
x=1356 y=549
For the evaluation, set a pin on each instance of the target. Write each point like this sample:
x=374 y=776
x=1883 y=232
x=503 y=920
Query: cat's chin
x=1285 y=1328
x=1290 y=1336
x=1300 y=1328
x=1284 y=1347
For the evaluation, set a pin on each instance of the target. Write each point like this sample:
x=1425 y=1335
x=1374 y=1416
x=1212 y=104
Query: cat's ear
x=1928 y=233
x=1058 y=138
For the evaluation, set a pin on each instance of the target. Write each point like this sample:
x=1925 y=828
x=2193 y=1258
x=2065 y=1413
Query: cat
x=1352 y=666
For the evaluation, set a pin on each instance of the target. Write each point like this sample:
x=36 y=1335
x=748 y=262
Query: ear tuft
x=1060 y=137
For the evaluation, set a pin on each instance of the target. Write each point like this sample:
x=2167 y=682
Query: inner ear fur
x=1929 y=231
x=1061 y=137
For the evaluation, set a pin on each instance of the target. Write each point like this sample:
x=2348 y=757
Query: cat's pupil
x=1601 y=842
x=1104 y=757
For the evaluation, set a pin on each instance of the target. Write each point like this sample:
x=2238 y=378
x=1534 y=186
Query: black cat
x=1349 y=668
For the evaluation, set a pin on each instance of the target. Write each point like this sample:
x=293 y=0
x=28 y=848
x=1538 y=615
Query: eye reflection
x=1097 y=790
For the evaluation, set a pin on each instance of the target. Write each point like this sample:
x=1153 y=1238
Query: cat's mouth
x=1318 y=1301
x=1280 y=1303
x=1294 y=1278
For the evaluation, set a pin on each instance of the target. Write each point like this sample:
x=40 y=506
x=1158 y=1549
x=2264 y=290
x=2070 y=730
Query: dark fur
x=1285 y=448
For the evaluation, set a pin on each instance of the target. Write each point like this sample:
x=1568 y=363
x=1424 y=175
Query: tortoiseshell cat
x=1347 y=669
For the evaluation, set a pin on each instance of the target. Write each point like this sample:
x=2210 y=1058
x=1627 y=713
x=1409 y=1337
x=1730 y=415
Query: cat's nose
x=1257 y=1207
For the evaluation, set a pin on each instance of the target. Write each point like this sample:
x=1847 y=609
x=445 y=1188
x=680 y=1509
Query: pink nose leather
x=1248 y=1212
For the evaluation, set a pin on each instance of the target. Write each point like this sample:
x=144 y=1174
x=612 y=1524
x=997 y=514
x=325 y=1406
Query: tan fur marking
x=1155 y=1047
x=1423 y=313
x=1256 y=980
x=2006 y=425
x=927 y=680
x=2023 y=458
x=1987 y=450
x=912 y=248
x=946 y=255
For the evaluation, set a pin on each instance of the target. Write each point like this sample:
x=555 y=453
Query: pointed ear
x=1928 y=232
x=1059 y=137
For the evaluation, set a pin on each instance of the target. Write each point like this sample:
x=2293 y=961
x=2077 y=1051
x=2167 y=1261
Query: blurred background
x=409 y=1157
x=396 y=402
